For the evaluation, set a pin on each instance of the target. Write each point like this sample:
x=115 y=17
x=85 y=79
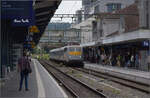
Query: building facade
x=92 y=29
x=103 y=26
x=60 y=33
x=120 y=28
x=144 y=11
x=86 y=30
x=104 y=6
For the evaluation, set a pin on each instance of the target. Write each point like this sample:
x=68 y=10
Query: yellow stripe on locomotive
x=76 y=53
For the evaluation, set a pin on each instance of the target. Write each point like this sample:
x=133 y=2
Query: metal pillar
x=3 y=55
x=0 y=53
x=4 y=49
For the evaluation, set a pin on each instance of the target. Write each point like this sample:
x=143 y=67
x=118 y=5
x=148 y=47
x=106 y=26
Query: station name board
x=18 y=11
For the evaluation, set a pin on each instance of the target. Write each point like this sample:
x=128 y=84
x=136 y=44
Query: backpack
x=26 y=66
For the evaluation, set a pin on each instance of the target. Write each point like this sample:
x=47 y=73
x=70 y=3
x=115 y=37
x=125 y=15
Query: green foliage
x=39 y=53
x=45 y=56
x=36 y=51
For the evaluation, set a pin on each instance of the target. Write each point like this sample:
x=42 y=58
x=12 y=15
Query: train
x=69 y=55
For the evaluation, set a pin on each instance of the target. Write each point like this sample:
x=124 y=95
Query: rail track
x=77 y=88
x=132 y=84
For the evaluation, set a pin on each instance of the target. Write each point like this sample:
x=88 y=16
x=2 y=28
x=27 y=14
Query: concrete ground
x=131 y=74
x=41 y=85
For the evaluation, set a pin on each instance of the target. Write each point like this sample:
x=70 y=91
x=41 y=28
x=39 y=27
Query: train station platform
x=125 y=73
x=41 y=85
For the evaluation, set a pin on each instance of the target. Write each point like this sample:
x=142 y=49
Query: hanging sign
x=146 y=43
x=34 y=29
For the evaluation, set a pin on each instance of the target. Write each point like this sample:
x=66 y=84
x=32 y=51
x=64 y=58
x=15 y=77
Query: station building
x=125 y=29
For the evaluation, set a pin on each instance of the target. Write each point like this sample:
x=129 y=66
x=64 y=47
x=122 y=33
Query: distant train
x=70 y=55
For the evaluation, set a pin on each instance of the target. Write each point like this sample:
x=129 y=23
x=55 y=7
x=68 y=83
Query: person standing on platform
x=113 y=60
x=148 y=61
x=118 y=60
x=136 y=61
x=110 y=60
x=24 y=69
x=140 y=58
x=102 y=58
x=98 y=57
x=123 y=60
x=132 y=60
x=127 y=60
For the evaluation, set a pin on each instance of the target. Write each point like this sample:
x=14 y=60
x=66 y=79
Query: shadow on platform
x=10 y=89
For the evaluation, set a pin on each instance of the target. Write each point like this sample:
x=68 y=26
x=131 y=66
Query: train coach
x=70 y=55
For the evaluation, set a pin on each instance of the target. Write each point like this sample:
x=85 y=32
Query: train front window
x=65 y=49
x=71 y=49
x=78 y=49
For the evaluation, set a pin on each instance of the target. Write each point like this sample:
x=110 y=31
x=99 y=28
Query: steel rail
x=132 y=84
x=58 y=79
x=126 y=82
x=59 y=74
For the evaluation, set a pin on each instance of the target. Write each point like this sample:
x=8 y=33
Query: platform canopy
x=89 y=44
x=44 y=11
x=19 y=15
x=138 y=35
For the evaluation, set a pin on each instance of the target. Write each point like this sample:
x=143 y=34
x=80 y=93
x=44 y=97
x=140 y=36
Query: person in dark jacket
x=24 y=69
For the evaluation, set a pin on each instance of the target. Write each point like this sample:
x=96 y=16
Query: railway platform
x=125 y=73
x=41 y=85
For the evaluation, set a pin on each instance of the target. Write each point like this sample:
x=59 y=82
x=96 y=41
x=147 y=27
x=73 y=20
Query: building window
x=96 y=9
x=113 y=7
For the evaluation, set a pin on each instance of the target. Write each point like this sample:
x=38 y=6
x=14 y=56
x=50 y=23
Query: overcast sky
x=67 y=7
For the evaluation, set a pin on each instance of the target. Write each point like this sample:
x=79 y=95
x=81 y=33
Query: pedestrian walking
x=24 y=69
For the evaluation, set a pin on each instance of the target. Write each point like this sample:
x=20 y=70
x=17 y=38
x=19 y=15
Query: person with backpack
x=24 y=69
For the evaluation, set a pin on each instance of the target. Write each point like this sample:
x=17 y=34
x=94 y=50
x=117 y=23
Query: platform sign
x=28 y=38
x=34 y=29
x=146 y=43
x=19 y=11
x=29 y=45
x=32 y=44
